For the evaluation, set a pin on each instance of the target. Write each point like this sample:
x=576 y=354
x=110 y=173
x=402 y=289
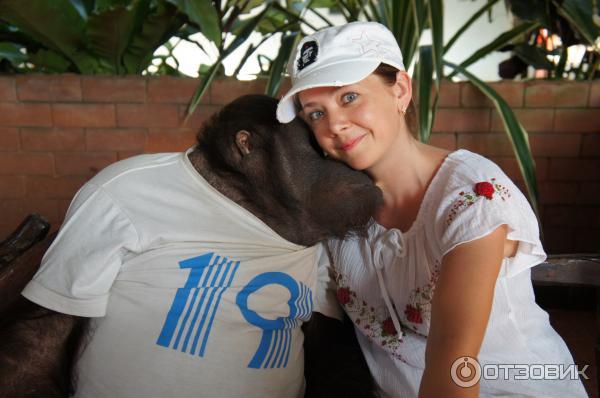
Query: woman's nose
x=338 y=122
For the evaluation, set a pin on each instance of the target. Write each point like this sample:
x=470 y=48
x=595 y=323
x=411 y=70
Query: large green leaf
x=277 y=68
x=56 y=24
x=204 y=84
x=244 y=31
x=579 y=13
x=12 y=53
x=500 y=41
x=49 y=61
x=424 y=78
x=109 y=35
x=203 y=13
x=516 y=133
x=158 y=26
x=436 y=20
x=533 y=56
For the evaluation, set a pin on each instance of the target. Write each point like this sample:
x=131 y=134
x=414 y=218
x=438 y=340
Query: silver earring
x=325 y=154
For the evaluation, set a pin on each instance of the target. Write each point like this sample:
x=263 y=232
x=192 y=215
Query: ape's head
x=278 y=172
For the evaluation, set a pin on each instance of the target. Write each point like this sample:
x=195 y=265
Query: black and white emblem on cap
x=308 y=55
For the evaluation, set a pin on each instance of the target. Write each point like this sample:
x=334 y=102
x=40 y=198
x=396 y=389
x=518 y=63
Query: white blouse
x=386 y=281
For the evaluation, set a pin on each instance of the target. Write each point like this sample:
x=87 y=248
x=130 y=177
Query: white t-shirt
x=191 y=295
x=451 y=213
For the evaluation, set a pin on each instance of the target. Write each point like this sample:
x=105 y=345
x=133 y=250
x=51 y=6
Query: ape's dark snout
x=345 y=200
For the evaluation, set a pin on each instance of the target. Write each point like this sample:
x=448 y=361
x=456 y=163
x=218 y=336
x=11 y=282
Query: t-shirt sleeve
x=82 y=263
x=477 y=207
x=325 y=291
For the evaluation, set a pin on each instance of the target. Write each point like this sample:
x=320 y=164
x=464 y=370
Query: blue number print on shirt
x=274 y=348
x=190 y=318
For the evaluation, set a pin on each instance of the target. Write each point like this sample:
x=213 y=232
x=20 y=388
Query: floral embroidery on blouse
x=481 y=190
x=378 y=328
x=418 y=308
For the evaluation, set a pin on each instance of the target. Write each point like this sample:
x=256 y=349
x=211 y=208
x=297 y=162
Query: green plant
x=85 y=36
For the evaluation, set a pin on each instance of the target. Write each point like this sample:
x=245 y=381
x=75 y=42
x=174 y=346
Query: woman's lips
x=352 y=143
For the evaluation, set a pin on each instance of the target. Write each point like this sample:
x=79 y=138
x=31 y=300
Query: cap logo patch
x=308 y=55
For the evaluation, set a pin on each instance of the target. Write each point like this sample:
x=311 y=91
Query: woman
x=451 y=222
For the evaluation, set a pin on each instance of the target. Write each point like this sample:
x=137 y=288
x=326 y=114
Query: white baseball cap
x=338 y=56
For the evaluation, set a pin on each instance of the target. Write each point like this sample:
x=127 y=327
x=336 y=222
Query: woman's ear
x=403 y=90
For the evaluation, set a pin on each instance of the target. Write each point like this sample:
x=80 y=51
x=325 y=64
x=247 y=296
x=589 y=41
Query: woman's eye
x=349 y=97
x=316 y=115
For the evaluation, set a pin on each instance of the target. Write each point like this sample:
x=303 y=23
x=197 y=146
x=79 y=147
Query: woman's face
x=357 y=123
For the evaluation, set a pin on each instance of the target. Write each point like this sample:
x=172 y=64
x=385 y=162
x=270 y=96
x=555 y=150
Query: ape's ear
x=242 y=141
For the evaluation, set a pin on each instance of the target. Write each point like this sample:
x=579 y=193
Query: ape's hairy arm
x=334 y=364
x=37 y=351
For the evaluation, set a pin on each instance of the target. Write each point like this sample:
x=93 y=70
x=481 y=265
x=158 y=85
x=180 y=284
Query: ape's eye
x=316 y=115
x=349 y=97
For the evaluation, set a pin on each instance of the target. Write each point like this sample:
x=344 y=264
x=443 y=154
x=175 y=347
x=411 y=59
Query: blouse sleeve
x=82 y=263
x=474 y=209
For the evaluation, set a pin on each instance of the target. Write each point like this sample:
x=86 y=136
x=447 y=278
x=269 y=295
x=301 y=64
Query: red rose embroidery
x=343 y=295
x=413 y=314
x=484 y=189
x=388 y=327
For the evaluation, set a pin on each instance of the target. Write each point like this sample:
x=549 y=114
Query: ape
x=191 y=274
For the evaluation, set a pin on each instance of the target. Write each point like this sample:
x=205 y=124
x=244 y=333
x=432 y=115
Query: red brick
x=59 y=88
x=147 y=115
x=449 y=94
x=13 y=212
x=556 y=94
x=286 y=84
x=12 y=187
x=510 y=166
x=462 y=120
x=15 y=114
x=84 y=115
x=533 y=120
x=63 y=187
x=589 y=193
x=176 y=90
x=160 y=140
x=555 y=144
x=26 y=163
x=114 y=89
x=115 y=139
x=197 y=119
x=590 y=145
x=577 y=120
x=223 y=91
x=558 y=192
x=511 y=92
x=9 y=139
x=486 y=144
x=7 y=89
x=55 y=139
x=127 y=154
x=594 y=94
x=574 y=169
x=446 y=141
x=85 y=163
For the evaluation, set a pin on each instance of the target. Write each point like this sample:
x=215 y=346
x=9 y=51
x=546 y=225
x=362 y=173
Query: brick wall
x=58 y=131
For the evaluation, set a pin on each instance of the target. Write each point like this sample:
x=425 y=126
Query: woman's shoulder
x=469 y=167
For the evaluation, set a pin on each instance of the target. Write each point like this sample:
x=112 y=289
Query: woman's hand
x=460 y=310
